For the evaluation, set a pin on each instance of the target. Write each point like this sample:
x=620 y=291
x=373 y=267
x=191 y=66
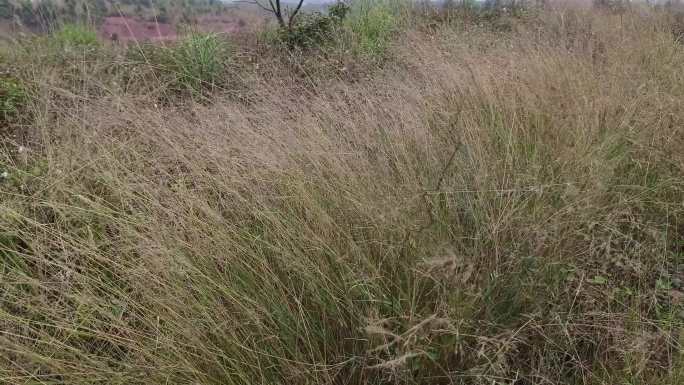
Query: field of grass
x=417 y=198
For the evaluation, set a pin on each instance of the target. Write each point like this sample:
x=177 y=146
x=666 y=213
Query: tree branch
x=294 y=13
x=278 y=12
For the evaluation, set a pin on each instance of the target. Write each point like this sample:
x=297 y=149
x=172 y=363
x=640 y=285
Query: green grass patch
x=372 y=28
x=13 y=98
x=76 y=36
x=195 y=65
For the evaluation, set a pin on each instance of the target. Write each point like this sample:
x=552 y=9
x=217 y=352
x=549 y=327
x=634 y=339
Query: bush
x=12 y=97
x=311 y=30
x=314 y=29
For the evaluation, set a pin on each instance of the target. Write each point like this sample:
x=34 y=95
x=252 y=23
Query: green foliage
x=12 y=97
x=314 y=29
x=199 y=60
x=76 y=36
x=363 y=29
x=310 y=30
x=8 y=257
x=6 y=9
x=195 y=64
x=372 y=28
x=339 y=10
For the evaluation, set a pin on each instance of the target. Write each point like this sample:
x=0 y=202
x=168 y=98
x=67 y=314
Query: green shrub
x=195 y=64
x=372 y=28
x=315 y=29
x=12 y=97
x=199 y=60
x=76 y=36
x=310 y=30
x=339 y=10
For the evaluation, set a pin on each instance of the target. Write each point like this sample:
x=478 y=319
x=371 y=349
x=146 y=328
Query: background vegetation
x=46 y=15
x=421 y=195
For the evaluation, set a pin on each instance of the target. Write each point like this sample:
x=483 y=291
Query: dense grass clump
x=314 y=30
x=13 y=97
x=484 y=205
x=199 y=60
x=372 y=28
x=73 y=36
x=195 y=65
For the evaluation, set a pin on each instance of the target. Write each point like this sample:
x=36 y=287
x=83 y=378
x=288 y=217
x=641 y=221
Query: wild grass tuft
x=74 y=36
x=13 y=97
x=373 y=25
x=199 y=60
x=196 y=64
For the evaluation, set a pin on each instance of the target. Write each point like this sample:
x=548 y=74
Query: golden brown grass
x=485 y=208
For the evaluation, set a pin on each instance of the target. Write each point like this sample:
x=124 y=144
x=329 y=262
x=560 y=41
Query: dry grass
x=485 y=208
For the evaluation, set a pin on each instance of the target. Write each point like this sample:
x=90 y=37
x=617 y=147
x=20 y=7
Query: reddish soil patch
x=220 y=24
x=128 y=29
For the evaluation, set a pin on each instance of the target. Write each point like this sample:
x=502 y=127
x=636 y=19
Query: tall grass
x=195 y=65
x=486 y=208
x=373 y=24
x=13 y=96
x=200 y=60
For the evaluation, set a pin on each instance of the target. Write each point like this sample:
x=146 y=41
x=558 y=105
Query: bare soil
x=127 y=29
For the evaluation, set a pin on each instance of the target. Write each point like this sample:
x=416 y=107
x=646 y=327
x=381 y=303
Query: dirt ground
x=127 y=29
